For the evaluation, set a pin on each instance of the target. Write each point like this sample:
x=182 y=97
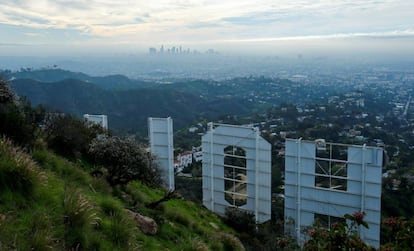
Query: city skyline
x=53 y=27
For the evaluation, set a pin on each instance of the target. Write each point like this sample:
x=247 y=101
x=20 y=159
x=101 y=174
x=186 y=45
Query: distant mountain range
x=128 y=103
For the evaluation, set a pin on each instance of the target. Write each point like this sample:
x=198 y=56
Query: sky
x=41 y=27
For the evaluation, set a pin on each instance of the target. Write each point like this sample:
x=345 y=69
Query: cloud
x=201 y=25
x=384 y=35
x=210 y=20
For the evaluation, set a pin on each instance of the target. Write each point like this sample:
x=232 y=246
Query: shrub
x=399 y=233
x=69 y=136
x=341 y=236
x=110 y=206
x=18 y=119
x=41 y=232
x=125 y=160
x=240 y=220
x=179 y=217
x=79 y=216
x=119 y=230
x=195 y=244
x=18 y=172
x=228 y=242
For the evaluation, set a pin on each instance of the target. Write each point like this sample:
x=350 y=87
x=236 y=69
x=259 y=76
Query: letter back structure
x=325 y=181
x=101 y=120
x=236 y=170
x=160 y=132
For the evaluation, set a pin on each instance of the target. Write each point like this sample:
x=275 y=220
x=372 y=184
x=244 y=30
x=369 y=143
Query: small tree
x=7 y=96
x=398 y=234
x=125 y=160
x=18 y=121
x=69 y=136
x=341 y=236
x=241 y=220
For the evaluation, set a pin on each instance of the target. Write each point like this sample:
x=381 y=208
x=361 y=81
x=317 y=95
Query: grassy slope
x=65 y=207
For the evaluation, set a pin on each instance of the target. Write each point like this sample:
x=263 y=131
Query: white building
x=101 y=120
x=198 y=156
x=185 y=159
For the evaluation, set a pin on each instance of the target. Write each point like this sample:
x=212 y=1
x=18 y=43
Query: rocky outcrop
x=146 y=224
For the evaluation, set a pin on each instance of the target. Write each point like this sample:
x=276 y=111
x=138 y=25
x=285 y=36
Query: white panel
x=372 y=203
x=160 y=132
x=307 y=150
x=373 y=190
x=258 y=168
x=373 y=174
x=101 y=120
x=363 y=191
x=354 y=171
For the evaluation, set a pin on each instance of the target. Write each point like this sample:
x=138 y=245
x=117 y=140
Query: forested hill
x=127 y=110
x=129 y=102
x=118 y=82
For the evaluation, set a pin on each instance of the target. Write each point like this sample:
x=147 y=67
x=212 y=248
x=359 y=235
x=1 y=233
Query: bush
x=41 y=232
x=225 y=241
x=110 y=206
x=179 y=217
x=399 y=233
x=69 y=136
x=195 y=244
x=125 y=160
x=240 y=220
x=119 y=230
x=18 y=173
x=18 y=120
x=79 y=216
x=341 y=236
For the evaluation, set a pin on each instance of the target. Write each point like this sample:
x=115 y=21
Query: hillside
x=127 y=110
x=128 y=102
x=116 y=82
x=49 y=203
x=98 y=200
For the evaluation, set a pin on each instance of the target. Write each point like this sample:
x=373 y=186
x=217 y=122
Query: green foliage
x=18 y=119
x=398 y=234
x=129 y=109
x=240 y=220
x=61 y=167
x=119 y=229
x=110 y=206
x=68 y=136
x=189 y=188
x=51 y=203
x=6 y=94
x=18 y=173
x=79 y=214
x=228 y=242
x=125 y=160
x=196 y=244
x=400 y=201
x=179 y=217
x=41 y=231
x=341 y=236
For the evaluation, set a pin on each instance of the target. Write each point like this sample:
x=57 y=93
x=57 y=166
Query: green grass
x=50 y=203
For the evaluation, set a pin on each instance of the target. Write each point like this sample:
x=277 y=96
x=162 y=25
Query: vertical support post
x=298 y=191
x=363 y=173
x=150 y=133
x=256 y=207
x=170 y=154
x=211 y=128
